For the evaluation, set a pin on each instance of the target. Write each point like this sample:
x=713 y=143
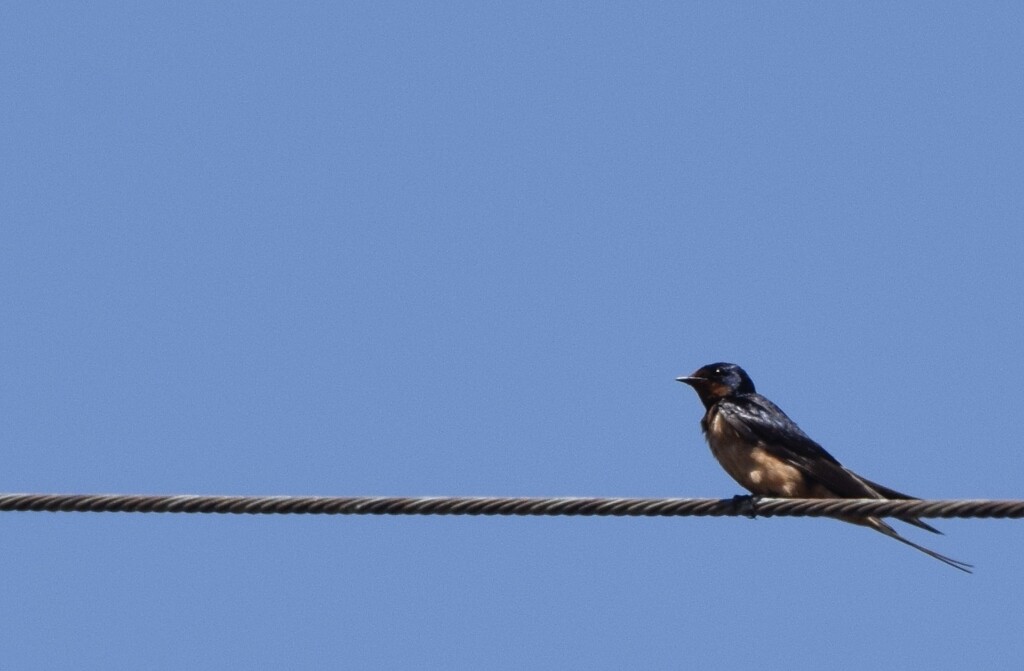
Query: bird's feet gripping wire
x=746 y=505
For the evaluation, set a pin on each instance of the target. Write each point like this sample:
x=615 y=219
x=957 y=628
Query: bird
x=765 y=451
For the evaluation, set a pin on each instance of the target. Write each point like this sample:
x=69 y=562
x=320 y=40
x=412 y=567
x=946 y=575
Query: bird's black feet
x=745 y=504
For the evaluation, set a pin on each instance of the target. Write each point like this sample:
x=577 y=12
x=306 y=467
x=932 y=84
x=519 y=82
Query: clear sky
x=319 y=248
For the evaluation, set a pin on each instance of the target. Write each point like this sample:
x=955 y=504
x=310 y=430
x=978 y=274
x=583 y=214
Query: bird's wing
x=889 y=493
x=760 y=421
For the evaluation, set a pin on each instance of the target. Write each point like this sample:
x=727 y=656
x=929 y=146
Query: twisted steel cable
x=562 y=506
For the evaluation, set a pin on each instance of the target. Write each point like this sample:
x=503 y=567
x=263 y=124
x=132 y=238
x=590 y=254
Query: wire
x=565 y=506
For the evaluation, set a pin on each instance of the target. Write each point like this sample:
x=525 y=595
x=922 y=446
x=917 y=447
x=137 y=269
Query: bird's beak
x=690 y=380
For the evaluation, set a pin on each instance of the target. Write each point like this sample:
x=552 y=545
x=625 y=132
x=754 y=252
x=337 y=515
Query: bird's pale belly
x=755 y=468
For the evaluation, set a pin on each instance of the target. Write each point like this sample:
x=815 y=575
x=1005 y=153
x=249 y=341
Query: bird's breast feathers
x=753 y=466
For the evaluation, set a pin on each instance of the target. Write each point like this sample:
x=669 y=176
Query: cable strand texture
x=521 y=506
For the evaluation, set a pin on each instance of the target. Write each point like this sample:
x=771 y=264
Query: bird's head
x=718 y=380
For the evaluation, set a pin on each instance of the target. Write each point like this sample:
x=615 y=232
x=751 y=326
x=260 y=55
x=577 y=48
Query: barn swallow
x=766 y=452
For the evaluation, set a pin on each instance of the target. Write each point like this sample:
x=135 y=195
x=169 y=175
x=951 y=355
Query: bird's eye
x=718 y=371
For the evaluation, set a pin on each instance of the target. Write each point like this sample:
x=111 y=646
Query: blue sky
x=465 y=249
